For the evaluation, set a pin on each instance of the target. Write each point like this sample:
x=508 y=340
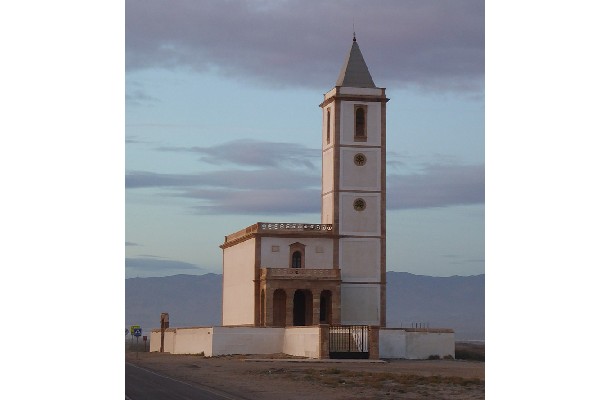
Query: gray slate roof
x=355 y=72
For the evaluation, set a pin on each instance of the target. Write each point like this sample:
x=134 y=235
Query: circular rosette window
x=360 y=159
x=360 y=204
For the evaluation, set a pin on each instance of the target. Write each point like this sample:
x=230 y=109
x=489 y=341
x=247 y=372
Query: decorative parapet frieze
x=299 y=273
x=283 y=228
x=294 y=227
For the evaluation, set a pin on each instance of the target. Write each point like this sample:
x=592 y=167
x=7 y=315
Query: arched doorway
x=325 y=307
x=303 y=308
x=279 y=299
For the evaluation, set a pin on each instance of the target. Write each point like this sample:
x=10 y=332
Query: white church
x=295 y=287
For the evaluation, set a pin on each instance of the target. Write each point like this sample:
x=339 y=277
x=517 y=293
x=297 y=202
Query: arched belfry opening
x=303 y=307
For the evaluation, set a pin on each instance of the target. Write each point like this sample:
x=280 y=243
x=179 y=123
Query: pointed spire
x=355 y=72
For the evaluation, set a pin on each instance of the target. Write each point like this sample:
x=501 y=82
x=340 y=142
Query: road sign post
x=136 y=331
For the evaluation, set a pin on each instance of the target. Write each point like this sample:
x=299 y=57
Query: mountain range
x=456 y=302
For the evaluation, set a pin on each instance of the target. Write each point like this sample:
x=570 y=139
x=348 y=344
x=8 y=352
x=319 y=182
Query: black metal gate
x=349 y=341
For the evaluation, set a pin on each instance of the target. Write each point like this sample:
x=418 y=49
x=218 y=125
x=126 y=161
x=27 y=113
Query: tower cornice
x=333 y=95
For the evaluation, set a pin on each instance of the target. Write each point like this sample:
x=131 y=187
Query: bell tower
x=353 y=188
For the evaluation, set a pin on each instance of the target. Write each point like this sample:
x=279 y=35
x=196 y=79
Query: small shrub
x=469 y=355
x=433 y=357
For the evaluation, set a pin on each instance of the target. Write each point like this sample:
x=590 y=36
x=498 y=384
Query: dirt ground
x=281 y=377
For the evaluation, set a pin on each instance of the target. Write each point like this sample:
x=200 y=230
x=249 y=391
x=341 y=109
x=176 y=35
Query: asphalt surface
x=143 y=384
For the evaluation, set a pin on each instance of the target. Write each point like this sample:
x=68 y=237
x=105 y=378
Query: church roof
x=355 y=72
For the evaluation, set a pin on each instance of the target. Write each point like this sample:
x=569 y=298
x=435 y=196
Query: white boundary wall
x=221 y=340
x=301 y=341
x=247 y=340
x=415 y=345
x=295 y=341
x=184 y=340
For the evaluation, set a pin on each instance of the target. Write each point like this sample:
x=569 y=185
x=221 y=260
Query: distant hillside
x=190 y=300
x=456 y=302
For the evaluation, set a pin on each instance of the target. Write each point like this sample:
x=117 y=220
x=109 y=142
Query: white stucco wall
x=302 y=341
x=421 y=345
x=327 y=209
x=169 y=342
x=360 y=259
x=398 y=343
x=247 y=340
x=373 y=123
x=365 y=177
x=318 y=252
x=392 y=343
x=194 y=341
x=360 y=304
x=328 y=168
x=365 y=222
x=238 y=283
x=154 y=341
x=296 y=341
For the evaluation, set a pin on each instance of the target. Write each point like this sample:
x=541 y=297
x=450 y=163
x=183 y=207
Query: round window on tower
x=360 y=159
x=359 y=204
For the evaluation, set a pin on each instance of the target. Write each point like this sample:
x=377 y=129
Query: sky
x=223 y=125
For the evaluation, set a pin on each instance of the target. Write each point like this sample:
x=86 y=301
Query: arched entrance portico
x=293 y=297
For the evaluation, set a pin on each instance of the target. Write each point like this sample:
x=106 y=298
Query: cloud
x=437 y=186
x=270 y=191
x=277 y=186
x=280 y=191
x=153 y=264
x=254 y=153
x=264 y=179
x=435 y=45
x=249 y=202
x=139 y=97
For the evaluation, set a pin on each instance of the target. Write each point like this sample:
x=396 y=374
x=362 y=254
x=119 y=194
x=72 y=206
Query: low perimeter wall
x=297 y=341
x=415 y=344
x=221 y=340
x=301 y=341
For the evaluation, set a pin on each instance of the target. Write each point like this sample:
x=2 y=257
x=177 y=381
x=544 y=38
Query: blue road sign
x=137 y=332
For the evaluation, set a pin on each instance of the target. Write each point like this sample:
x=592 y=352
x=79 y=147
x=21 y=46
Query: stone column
x=336 y=305
x=289 y=307
x=269 y=303
x=316 y=307
x=373 y=342
x=323 y=341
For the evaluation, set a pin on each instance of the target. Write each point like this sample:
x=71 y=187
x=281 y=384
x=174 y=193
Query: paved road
x=143 y=384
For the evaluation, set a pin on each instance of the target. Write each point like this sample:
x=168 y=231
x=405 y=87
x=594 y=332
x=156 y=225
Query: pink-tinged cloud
x=255 y=153
x=438 y=45
x=280 y=191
